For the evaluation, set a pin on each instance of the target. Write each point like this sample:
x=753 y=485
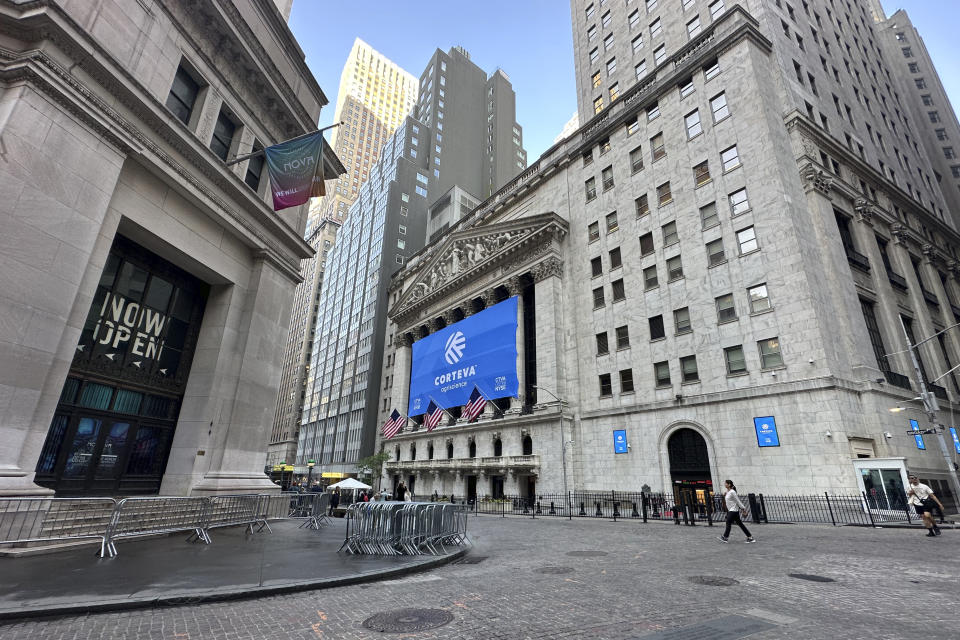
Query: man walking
x=921 y=497
x=734 y=507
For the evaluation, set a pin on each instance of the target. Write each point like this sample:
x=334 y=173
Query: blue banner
x=480 y=350
x=766 y=432
x=919 y=438
x=620 y=441
x=956 y=440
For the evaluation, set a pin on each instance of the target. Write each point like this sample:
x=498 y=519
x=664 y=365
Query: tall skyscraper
x=299 y=346
x=722 y=266
x=463 y=139
x=375 y=96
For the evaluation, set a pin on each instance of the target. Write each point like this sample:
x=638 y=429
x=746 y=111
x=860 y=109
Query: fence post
x=829 y=508
x=503 y=509
x=643 y=506
x=754 y=507
x=763 y=510
x=709 y=509
x=569 y=507
x=869 y=513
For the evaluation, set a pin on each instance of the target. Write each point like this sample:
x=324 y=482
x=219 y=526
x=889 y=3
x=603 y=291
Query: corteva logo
x=454 y=349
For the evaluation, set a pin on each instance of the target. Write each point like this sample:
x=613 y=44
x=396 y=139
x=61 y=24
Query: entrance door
x=884 y=488
x=689 y=464
x=95 y=456
x=496 y=487
x=471 y=489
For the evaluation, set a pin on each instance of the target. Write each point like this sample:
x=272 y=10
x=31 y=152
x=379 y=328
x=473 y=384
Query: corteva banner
x=479 y=350
x=295 y=169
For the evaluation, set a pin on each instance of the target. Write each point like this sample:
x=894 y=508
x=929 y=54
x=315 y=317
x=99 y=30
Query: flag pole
x=260 y=152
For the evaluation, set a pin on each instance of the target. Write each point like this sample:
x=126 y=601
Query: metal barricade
x=404 y=528
x=55 y=519
x=147 y=516
x=234 y=510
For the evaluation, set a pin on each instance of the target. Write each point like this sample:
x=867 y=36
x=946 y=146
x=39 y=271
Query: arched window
x=449 y=450
x=473 y=449
x=527 y=446
x=397 y=453
x=413 y=452
x=430 y=451
x=497 y=448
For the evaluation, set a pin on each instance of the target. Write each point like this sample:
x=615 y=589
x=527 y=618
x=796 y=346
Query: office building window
x=634 y=18
x=770 y=353
x=632 y=127
x=747 y=239
x=688 y=369
x=661 y=373
x=596 y=267
x=614 y=91
x=619 y=290
x=659 y=55
x=598 y=300
x=681 y=321
x=598 y=104
x=623 y=337
x=642 y=205
x=664 y=196
x=602 y=347
x=590 y=188
x=729 y=158
x=626 y=381
x=876 y=338
x=686 y=88
x=611 y=66
x=593 y=231
x=608 y=42
x=715 y=253
x=255 y=168
x=701 y=174
x=708 y=216
x=646 y=244
x=718 y=104
x=656 y=28
x=612 y=224
x=636 y=160
x=637 y=43
x=605 y=20
x=738 y=202
x=650 y=278
x=615 y=260
x=656 y=328
x=711 y=70
x=759 y=298
x=223 y=132
x=640 y=69
x=657 y=149
x=736 y=363
x=653 y=112
x=606 y=388
x=726 y=310
x=670 y=234
x=692 y=122
x=607 y=176
x=674 y=269
x=183 y=95
x=693 y=27
x=716 y=9
x=596 y=79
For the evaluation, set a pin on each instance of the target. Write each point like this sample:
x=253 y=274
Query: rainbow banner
x=295 y=169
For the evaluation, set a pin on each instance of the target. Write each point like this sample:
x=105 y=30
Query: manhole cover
x=586 y=554
x=470 y=560
x=811 y=577
x=407 y=620
x=554 y=570
x=713 y=581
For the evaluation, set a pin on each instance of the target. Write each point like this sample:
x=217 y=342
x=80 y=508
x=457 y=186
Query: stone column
x=232 y=389
x=945 y=316
x=57 y=229
x=402 y=358
x=549 y=327
x=515 y=288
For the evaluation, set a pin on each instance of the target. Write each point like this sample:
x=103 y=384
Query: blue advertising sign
x=766 y=431
x=480 y=350
x=919 y=438
x=620 y=441
x=956 y=440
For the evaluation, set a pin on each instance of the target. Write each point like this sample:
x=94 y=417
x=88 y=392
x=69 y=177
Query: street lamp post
x=563 y=446
x=310 y=464
x=930 y=407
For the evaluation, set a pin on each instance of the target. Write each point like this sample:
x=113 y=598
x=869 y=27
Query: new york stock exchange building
x=146 y=285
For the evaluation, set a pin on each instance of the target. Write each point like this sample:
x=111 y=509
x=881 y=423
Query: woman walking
x=734 y=508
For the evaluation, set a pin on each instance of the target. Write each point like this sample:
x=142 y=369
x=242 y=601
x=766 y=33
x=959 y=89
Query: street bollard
x=754 y=507
x=552 y=511
x=763 y=510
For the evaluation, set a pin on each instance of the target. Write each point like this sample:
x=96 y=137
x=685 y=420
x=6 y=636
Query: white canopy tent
x=349 y=483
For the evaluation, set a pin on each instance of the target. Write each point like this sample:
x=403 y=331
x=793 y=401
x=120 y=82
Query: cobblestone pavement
x=888 y=584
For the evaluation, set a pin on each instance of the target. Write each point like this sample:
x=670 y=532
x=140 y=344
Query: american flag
x=474 y=406
x=432 y=417
x=393 y=425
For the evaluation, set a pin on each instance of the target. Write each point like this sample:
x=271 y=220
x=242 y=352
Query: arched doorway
x=689 y=463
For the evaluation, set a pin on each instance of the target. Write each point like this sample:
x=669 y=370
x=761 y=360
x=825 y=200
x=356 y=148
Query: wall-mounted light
x=828 y=433
x=887 y=434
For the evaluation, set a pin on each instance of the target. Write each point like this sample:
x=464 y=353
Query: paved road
x=889 y=584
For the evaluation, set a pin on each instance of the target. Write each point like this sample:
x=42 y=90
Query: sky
x=531 y=40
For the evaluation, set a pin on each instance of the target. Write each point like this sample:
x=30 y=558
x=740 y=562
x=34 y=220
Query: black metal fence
x=692 y=509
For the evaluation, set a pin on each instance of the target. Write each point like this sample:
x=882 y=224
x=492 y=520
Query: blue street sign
x=919 y=438
x=956 y=440
x=766 y=431
x=620 y=441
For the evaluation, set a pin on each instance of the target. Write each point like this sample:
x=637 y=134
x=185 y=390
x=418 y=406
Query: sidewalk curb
x=219 y=595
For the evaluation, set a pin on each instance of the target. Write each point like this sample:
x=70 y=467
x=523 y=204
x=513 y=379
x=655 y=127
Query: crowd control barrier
x=55 y=519
x=404 y=528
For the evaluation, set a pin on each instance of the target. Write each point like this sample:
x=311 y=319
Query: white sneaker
x=750 y=539
x=722 y=539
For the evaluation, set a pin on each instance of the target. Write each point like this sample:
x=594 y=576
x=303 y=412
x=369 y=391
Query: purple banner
x=296 y=171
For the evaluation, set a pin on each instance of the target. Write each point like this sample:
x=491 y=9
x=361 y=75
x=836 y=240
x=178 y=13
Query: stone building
x=716 y=263
x=146 y=285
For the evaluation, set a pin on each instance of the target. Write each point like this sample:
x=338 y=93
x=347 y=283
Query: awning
x=283 y=467
x=333 y=474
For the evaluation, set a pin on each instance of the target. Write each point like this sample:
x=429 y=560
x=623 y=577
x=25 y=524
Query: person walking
x=401 y=492
x=334 y=501
x=734 y=508
x=921 y=497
